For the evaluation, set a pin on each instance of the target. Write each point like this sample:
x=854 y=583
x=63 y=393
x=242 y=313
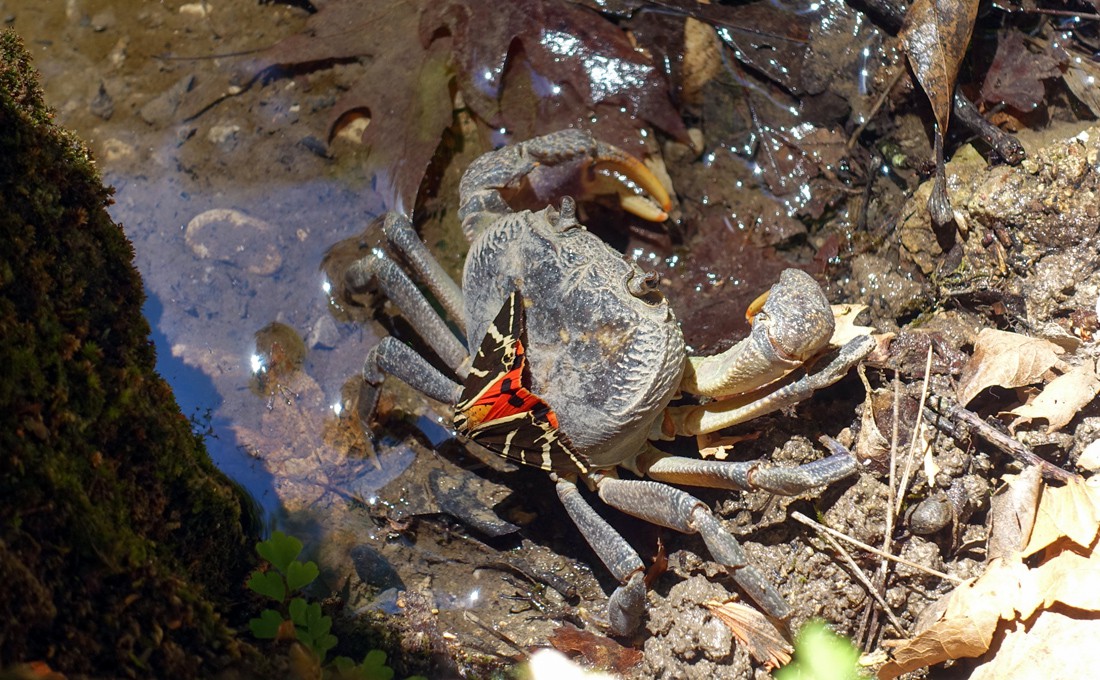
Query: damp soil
x=467 y=559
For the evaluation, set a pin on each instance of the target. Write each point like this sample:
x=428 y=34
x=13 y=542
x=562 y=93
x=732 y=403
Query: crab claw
x=617 y=172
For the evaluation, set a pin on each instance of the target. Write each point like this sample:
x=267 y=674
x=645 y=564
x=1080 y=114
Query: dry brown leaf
x=1062 y=399
x=967 y=625
x=844 y=316
x=936 y=34
x=966 y=628
x=1009 y=593
x=1072 y=511
x=719 y=446
x=752 y=629
x=1053 y=646
x=598 y=650
x=1012 y=512
x=1070 y=578
x=1005 y=359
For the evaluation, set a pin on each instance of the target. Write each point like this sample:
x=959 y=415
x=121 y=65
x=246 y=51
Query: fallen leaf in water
x=752 y=629
x=1062 y=399
x=1005 y=359
x=936 y=34
x=1015 y=77
x=404 y=89
x=598 y=651
x=1081 y=75
x=573 y=54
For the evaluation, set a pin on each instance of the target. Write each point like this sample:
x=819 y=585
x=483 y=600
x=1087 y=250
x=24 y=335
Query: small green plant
x=821 y=654
x=296 y=618
x=288 y=576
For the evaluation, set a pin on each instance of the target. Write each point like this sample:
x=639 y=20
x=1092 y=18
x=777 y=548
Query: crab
x=577 y=355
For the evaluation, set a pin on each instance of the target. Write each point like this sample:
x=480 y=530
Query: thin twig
x=508 y=641
x=916 y=440
x=862 y=576
x=1017 y=450
x=874 y=109
x=874 y=551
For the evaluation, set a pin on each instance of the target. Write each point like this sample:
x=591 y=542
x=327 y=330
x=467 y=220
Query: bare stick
x=862 y=577
x=916 y=440
x=874 y=551
x=1017 y=450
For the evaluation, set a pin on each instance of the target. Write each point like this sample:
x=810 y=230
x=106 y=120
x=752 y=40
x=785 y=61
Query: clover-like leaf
x=297 y=608
x=266 y=626
x=300 y=575
x=374 y=666
x=269 y=584
x=280 y=550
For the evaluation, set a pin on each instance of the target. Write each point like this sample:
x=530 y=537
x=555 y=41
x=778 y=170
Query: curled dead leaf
x=1005 y=359
x=1062 y=399
x=936 y=34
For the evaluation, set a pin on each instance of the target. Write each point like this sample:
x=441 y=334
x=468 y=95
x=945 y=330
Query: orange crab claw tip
x=643 y=208
x=644 y=177
x=616 y=160
x=756 y=305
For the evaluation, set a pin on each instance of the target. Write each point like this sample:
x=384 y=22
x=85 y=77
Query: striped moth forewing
x=498 y=409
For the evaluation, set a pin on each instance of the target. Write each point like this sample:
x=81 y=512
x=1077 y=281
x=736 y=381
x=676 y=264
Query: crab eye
x=645 y=288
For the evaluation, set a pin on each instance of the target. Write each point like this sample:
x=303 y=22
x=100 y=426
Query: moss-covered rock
x=120 y=543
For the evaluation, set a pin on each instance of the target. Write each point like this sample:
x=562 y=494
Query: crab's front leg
x=756 y=376
x=668 y=507
x=482 y=202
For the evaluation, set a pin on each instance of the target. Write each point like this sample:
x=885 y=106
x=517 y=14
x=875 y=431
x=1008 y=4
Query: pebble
x=231 y=236
x=224 y=136
x=160 y=110
x=323 y=334
x=102 y=105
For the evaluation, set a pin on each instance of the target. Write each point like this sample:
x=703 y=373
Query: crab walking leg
x=670 y=507
x=393 y=357
x=401 y=235
x=626 y=606
x=744 y=476
x=486 y=176
x=713 y=416
x=401 y=290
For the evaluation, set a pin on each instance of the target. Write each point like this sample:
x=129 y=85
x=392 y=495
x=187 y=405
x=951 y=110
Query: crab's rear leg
x=392 y=357
x=626 y=606
x=482 y=202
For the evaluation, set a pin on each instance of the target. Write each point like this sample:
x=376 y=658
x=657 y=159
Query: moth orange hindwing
x=498 y=409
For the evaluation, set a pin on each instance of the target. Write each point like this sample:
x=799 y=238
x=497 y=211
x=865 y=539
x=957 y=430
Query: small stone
x=102 y=21
x=197 y=10
x=160 y=110
x=323 y=334
x=223 y=136
x=102 y=105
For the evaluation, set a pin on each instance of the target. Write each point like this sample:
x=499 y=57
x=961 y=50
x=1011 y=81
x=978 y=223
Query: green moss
x=120 y=543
